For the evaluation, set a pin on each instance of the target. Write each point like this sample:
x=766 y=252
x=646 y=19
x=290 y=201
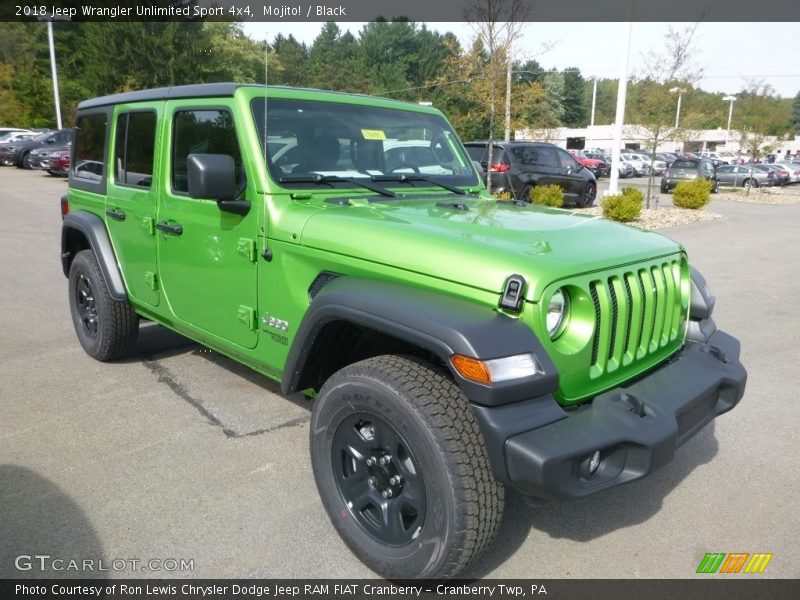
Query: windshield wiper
x=321 y=179
x=410 y=178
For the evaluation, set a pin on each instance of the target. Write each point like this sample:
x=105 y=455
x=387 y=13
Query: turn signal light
x=471 y=368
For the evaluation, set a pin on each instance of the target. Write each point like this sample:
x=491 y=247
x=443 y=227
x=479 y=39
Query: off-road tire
x=463 y=501
x=112 y=334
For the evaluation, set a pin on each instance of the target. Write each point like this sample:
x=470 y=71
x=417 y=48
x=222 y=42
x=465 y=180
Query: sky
x=730 y=54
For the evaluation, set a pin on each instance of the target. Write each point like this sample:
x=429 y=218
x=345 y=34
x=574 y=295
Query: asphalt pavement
x=179 y=453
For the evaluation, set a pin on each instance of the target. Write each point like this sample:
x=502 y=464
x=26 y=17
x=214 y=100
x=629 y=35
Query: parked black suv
x=518 y=167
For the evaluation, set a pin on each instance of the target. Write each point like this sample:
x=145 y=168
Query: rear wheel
x=750 y=183
x=106 y=328
x=525 y=196
x=402 y=470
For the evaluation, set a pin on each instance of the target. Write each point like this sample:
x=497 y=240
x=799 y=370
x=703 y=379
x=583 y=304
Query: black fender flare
x=94 y=230
x=441 y=324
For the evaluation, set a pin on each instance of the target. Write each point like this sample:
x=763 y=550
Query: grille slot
x=636 y=313
x=596 y=337
x=612 y=344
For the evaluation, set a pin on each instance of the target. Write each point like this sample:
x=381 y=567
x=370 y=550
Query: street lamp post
x=730 y=99
x=679 y=91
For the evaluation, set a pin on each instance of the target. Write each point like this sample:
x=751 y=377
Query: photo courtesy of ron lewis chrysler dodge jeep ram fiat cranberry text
x=454 y=345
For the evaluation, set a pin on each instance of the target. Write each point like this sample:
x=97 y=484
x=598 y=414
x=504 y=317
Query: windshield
x=309 y=138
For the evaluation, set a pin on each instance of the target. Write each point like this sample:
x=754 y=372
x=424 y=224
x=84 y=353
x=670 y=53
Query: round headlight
x=556 y=313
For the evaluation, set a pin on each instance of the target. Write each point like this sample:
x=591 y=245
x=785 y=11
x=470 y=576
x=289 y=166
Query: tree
x=757 y=120
x=652 y=99
x=497 y=24
x=573 y=99
x=334 y=61
x=293 y=58
x=795 y=118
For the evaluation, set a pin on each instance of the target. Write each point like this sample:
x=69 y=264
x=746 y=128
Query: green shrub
x=693 y=194
x=503 y=196
x=633 y=194
x=548 y=195
x=624 y=207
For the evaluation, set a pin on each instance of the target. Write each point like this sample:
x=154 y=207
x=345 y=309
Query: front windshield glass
x=306 y=139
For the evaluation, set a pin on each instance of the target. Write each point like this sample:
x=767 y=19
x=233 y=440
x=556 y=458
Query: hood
x=483 y=245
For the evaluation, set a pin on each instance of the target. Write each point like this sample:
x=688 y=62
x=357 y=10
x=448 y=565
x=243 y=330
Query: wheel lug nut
x=371 y=461
x=396 y=480
x=373 y=481
x=386 y=493
x=386 y=459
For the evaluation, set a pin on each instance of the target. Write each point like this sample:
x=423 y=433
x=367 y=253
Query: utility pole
x=594 y=99
x=622 y=90
x=508 y=95
x=54 y=71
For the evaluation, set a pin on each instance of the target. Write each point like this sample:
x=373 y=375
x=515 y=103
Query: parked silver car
x=740 y=175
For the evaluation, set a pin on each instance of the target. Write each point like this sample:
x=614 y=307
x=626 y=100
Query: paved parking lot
x=180 y=453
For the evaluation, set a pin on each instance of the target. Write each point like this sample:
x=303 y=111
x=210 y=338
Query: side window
x=134 y=149
x=565 y=160
x=477 y=153
x=206 y=131
x=90 y=141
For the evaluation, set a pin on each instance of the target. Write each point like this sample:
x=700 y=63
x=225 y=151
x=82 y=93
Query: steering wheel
x=405 y=166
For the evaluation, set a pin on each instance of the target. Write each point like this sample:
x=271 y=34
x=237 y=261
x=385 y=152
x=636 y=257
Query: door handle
x=116 y=214
x=169 y=228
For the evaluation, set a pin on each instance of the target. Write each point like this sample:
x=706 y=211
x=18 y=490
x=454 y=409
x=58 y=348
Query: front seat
x=320 y=153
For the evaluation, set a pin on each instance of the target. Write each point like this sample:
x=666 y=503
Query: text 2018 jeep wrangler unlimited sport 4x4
x=345 y=246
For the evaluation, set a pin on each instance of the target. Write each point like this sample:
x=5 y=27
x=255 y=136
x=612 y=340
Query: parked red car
x=600 y=168
x=59 y=163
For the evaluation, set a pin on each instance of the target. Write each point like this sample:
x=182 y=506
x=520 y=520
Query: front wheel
x=25 y=163
x=402 y=470
x=715 y=187
x=587 y=196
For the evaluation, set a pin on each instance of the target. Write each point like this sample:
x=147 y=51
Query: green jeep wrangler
x=344 y=246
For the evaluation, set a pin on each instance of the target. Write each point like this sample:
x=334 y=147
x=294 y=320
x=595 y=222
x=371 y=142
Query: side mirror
x=213 y=176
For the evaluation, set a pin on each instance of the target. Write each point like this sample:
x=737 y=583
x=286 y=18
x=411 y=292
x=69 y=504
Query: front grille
x=637 y=313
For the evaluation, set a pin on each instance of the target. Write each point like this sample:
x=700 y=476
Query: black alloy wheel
x=87 y=306
x=587 y=196
x=379 y=479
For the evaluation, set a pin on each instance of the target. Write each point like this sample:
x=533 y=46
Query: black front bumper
x=544 y=451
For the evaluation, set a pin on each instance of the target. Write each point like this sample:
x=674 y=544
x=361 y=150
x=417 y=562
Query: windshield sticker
x=373 y=134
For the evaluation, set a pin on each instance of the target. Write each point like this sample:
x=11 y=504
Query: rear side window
x=207 y=131
x=684 y=164
x=90 y=142
x=535 y=155
x=477 y=153
x=134 y=149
